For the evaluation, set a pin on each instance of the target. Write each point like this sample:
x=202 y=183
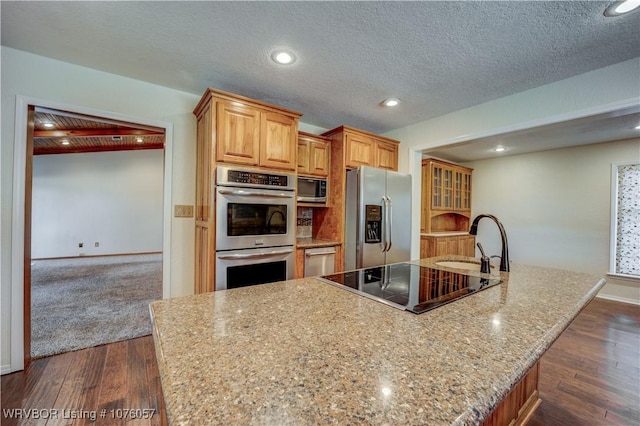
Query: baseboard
x=96 y=255
x=618 y=299
x=5 y=369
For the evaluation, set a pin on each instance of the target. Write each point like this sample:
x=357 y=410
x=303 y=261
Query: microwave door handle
x=243 y=193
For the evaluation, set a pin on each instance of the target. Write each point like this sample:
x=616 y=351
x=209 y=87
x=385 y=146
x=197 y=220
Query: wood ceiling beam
x=78 y=150
x=78 y=133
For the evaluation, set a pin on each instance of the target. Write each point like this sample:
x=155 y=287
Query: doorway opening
x=96 y=138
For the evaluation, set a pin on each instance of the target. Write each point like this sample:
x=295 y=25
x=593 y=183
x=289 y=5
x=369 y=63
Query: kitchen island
x=304 y=352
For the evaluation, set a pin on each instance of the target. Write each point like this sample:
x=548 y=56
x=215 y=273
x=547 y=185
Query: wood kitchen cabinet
x=360 y=150
x=445 y=210
x=278 y=141
x=238 y=134
x=250 y=132
x=314 y=153
x=446 y=197
x=350 y=148
x=441 y=245
x=386 y=155
x=366 y=149
x=238 y=130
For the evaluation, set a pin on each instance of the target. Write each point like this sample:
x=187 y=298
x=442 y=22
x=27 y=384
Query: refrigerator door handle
x=389 y=221
x=386 y=231
x=383 y=225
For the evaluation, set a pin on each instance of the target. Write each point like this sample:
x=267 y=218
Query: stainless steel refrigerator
x=378 y=218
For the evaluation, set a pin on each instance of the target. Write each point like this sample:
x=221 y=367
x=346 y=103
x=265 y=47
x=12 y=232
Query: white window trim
x=613 y=243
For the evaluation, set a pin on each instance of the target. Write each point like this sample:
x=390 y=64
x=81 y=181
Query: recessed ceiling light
x=283 y=57
x=48 y=125
x=621 y=7
x=637 y=127
x=499 y=148
x=391 y=102
x=65 y=142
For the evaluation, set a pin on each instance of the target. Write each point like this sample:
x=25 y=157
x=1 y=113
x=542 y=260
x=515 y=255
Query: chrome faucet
x=504 y=257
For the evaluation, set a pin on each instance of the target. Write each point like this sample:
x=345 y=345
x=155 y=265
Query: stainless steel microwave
x=312 y=190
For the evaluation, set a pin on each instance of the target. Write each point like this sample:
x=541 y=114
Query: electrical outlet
x=97 y=244
x=80 y=245
x=183 y=210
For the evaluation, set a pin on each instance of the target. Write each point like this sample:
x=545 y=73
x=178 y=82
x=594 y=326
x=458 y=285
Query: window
x=625 y=219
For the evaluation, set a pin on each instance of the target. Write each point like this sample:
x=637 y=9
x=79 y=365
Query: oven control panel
x=250 y=178
x=238 y=176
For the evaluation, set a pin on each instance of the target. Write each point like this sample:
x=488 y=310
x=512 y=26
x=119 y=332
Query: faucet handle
x=484 y=261
x=481 y=250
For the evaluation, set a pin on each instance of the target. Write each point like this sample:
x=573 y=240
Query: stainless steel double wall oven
x=255 y=227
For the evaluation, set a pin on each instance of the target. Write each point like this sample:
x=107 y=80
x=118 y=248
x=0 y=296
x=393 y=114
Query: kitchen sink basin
x=460 y=265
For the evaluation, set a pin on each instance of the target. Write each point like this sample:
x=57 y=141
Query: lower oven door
x=241 y=268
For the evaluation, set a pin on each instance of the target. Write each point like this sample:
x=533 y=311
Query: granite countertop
x=314 y=243
x=304 y=352
x=444 y=233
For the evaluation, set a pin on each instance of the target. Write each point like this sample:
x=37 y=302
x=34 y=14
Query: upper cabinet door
x=319 y=158
x=303 y=156
x=238 y=139
x=278 y=141
x=313 y=154
x=387 y=155
x=360 y=151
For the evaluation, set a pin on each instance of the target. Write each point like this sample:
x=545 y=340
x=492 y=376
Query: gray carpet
x=88 y=301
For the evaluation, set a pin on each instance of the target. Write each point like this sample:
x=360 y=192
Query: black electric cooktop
x=412 y=287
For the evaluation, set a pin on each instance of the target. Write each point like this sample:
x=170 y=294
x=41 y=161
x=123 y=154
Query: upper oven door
x=250 y=218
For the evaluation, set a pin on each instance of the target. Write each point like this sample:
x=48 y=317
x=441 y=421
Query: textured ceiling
x=438 y=57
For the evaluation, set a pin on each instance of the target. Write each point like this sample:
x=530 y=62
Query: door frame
x=21 y=184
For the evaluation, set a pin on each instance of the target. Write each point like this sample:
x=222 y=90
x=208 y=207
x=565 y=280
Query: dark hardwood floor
x=590 y=376
x=109 y=379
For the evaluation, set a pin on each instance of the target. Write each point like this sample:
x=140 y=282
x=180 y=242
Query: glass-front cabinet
x=446 y=196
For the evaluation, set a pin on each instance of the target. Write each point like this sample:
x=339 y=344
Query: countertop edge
x=304 y=243
x=162 y=366
x=476 y=412
x=444 y=234
x=483 y=409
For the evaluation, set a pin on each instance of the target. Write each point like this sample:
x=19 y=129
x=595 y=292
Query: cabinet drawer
x=319 y=261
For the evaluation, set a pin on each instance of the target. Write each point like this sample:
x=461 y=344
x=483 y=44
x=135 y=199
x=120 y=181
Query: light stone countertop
x=444 y=234
x=304 y=352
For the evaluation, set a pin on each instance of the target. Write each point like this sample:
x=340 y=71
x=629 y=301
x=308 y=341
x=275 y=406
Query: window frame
x=613 y=241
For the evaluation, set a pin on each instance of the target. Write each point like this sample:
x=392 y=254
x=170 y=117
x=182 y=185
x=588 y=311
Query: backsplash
x=305 y=222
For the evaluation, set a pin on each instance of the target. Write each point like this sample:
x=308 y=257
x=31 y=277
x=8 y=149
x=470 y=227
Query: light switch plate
x=183 y=210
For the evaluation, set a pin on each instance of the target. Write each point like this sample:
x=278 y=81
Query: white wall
x=28 y=75
x=38 y=77
x=606 y=89
x=570 y=98
x=113 y=198
x=555 y=205
x=42 y=78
